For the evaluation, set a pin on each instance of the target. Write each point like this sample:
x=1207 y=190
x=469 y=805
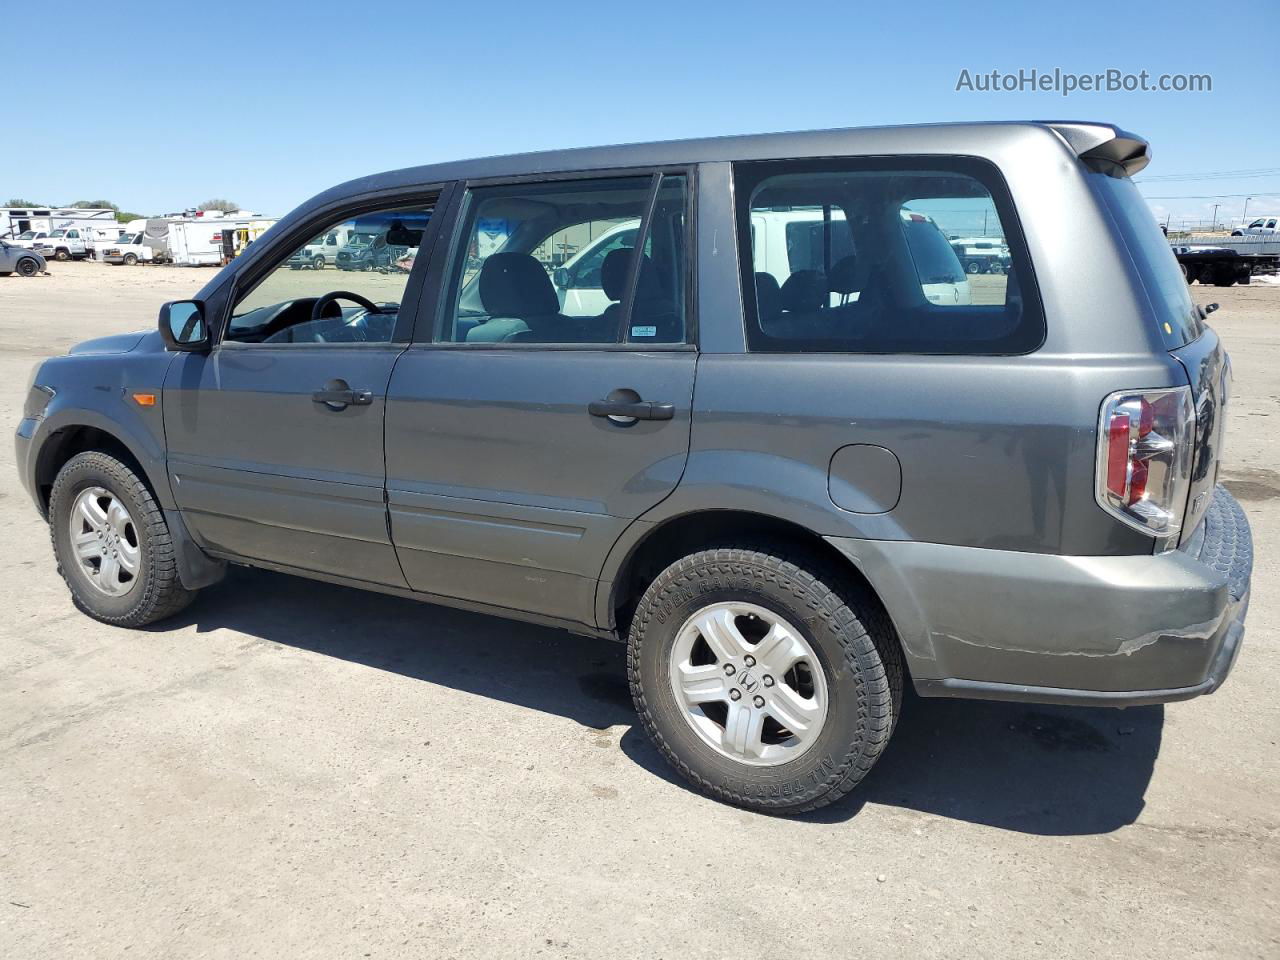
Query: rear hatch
x=1182 y=330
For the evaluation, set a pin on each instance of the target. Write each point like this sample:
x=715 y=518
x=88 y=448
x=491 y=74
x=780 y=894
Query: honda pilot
x=791 y=479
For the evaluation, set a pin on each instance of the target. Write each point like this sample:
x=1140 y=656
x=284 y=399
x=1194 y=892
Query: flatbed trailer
x=1224 y=261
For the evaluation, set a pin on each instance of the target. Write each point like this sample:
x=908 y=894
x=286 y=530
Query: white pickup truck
x=28 y=239
x=75 y=243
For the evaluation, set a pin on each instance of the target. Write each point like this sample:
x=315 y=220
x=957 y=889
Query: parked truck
x=143 y=241
x=77 y=243
x=1224 y=261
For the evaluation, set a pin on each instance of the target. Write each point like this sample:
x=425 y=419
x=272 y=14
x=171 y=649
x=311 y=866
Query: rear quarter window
x=1153 y=258
x=858 y=255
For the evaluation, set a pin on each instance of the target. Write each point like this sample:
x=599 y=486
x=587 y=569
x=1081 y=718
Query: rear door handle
x=623 y=410
x=338 y=395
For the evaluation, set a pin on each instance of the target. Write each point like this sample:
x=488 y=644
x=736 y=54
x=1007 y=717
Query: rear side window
x=913 y=255
x=1158 y=268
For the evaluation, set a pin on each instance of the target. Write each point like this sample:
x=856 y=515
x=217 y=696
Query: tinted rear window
x=1166 y=287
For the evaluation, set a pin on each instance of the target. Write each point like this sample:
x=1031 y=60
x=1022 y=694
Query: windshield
x=1158 y=268
x=27 y=235
x=935 y=260
x=130 y=237
x=360 y=240
x=58 y=233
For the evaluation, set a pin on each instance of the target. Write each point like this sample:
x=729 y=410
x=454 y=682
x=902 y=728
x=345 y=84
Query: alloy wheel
x=104 y=541
x=749 y=683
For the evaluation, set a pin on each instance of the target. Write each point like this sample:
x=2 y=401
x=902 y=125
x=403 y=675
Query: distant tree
x=24 y=203
x=216 y=204
x=94 y=205
x=124 y=217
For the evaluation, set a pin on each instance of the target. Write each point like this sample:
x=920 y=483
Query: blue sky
x=267 y=104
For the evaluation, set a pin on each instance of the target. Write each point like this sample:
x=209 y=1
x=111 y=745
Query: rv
x=15 y=222
x=213 y=241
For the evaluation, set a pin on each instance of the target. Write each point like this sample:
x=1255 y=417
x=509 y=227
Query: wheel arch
x=73 y=438
x=656 y=546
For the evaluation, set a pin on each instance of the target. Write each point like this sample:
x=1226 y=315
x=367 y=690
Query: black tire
x=847 y=629
x=158 y=592
x=317 y=263
x=27 y=267
x=62 y=255
x=973 y=267
x=130 y=259
x=1224 y=281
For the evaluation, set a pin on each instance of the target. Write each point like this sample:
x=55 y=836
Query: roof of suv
x=948 y=138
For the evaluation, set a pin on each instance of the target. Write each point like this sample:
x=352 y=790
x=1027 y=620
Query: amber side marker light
x=145 y=399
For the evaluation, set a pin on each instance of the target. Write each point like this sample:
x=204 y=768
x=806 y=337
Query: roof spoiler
x=1102 y=141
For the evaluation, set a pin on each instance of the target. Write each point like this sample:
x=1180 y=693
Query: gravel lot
x=293 y=769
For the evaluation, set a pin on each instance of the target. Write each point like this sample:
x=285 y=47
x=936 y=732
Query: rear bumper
x=1111 y=631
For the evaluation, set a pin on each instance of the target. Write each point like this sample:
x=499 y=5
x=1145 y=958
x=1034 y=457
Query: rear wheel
x=973 y=266
x=27 y=267
x=112 y=544
x=764 y=680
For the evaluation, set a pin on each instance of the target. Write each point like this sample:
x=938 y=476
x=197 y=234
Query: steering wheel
x=322 y=302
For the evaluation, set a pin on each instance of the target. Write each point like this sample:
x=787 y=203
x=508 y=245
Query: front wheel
x=27 y=267
x=764 y=680
x=130 y=259
x=112 y=544
x=62 y=255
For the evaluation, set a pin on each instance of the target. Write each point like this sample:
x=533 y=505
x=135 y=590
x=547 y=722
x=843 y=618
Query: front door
x=275 y=436
x=524 y=435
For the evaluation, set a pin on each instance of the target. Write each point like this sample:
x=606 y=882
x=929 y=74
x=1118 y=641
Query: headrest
x=516 y=285
x=613 y=272
x=768 y=296
x=843 y=276
x=804 y=291
x=613 y=275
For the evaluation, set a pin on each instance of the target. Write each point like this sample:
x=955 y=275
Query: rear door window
x=564 y=263
x=868 y=256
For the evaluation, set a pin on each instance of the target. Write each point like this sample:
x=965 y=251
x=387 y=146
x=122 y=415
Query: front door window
x=358 y=302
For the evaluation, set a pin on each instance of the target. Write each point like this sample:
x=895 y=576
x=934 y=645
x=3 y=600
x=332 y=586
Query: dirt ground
x=297 y=770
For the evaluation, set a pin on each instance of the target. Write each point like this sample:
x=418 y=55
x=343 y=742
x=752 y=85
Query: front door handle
x=338 y=395
x=629 y=410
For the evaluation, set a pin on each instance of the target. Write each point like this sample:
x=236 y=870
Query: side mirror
x=560 y=276
x=183 y=327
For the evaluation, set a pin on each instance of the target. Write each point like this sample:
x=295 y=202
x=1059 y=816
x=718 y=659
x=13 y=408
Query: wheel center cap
x=748 y=681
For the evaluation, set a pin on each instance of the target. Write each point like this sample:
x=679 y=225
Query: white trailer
x=15 y=221
x=212 y=241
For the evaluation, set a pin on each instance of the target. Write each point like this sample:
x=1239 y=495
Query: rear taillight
x=1145 y=445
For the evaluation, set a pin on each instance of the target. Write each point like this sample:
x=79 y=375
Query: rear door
x=276 y=436
x=524 y=436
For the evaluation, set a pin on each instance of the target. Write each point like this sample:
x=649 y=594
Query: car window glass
x=557 y=263
x=289 y=305
x=865 y=256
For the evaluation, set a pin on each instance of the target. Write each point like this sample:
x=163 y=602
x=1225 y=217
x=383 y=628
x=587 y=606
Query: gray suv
x=777 y=464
